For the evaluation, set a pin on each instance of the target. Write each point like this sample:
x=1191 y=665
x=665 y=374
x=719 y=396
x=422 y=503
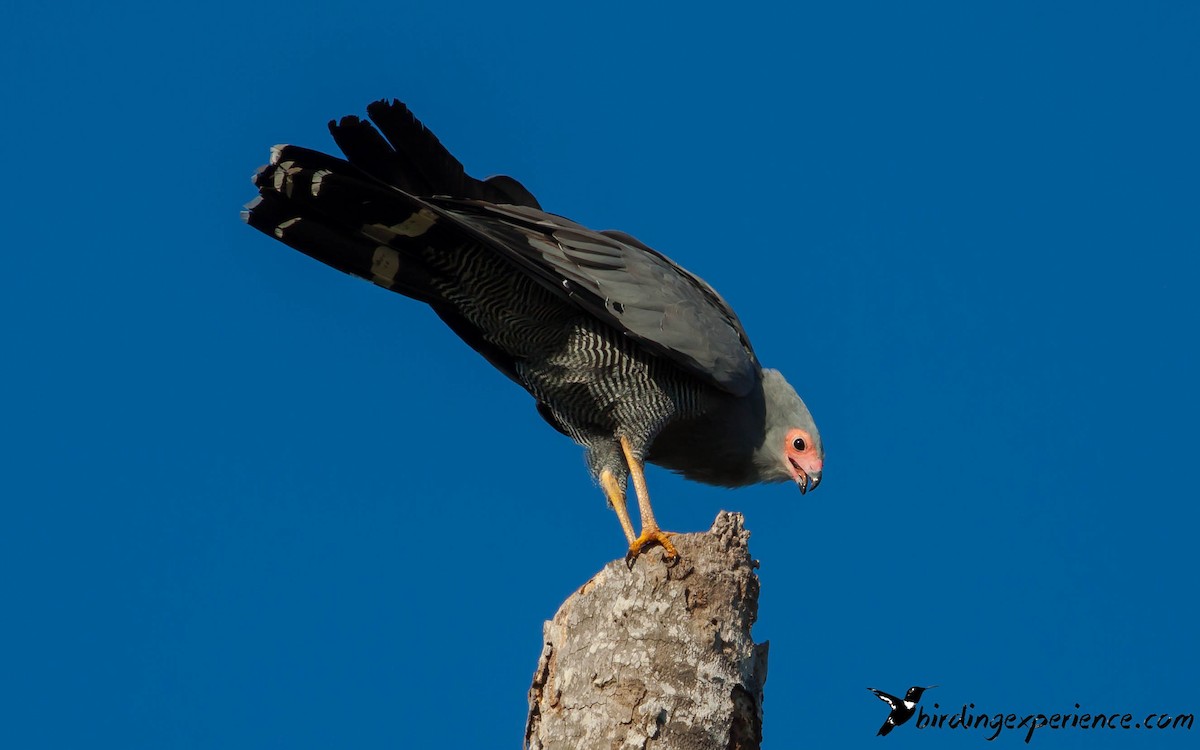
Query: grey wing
x=641 y=292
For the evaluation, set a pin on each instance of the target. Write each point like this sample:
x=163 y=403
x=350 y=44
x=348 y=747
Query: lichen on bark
x=656 y=657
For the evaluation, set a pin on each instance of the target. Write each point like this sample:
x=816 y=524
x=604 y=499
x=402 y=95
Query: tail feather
x=343 y=220
x=356 y=255
x=365 y=148
x=366 y=216
x=422 y=160
x=273 y=215
x=406 y=154
x=341 y=197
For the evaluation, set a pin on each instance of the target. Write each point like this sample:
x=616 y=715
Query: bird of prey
x=625 y=352
x=902 y=709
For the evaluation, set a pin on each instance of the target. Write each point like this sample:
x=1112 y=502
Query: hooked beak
x=807 y=480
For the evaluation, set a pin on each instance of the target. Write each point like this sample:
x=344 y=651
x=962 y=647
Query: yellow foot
x=649 y=538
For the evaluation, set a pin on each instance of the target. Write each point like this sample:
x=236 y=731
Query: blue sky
x=250 y=502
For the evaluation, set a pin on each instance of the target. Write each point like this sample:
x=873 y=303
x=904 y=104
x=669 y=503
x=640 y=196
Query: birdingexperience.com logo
x=991 y=725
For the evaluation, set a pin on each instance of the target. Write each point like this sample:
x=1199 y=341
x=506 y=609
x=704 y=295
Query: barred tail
x=366 y=216
x=330 y=211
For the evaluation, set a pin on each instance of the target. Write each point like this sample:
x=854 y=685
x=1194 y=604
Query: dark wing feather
x=887 y=698
x=611 y=275
x=624 y=283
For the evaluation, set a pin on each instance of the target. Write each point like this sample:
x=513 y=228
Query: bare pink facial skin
x=803 y=460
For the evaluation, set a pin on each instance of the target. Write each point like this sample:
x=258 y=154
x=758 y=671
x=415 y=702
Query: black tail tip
x=349 y=121
x=383 y=104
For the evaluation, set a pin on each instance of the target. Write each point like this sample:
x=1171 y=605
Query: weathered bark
x=656 y=657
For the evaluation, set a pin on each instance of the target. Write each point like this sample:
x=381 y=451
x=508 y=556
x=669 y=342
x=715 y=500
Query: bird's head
x=914 y=693
x=792 y=449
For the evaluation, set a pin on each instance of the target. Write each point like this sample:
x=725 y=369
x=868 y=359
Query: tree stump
x=658 y=657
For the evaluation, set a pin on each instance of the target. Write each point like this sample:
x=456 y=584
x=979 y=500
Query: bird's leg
x=651 y=534
x=616 y=498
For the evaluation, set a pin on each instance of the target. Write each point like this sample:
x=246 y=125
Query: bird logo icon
x=902 y=708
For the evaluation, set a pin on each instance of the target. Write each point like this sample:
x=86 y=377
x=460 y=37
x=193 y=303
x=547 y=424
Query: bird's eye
x=799 y=444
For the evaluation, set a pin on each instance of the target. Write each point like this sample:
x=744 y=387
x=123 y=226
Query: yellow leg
x=616 y=498
x=651 y=534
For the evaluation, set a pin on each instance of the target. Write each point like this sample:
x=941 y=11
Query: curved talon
x=649 y=538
